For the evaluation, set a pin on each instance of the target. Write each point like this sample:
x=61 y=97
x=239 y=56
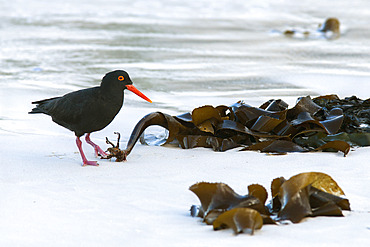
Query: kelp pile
x=308 y=194
x=356 y=114
x=325 y=123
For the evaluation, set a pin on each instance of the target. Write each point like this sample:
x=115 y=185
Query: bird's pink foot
x=98 y=150
x=85 y=162
x=90 y=163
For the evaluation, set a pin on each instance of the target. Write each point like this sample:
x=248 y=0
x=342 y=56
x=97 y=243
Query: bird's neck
x=112 y=95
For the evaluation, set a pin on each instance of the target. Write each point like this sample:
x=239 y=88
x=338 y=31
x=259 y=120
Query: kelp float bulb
x=89 y=110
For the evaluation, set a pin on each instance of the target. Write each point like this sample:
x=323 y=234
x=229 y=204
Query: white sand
x=48 y=199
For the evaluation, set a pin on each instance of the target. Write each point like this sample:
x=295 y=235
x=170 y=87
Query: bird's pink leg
x=98 y=150
x=84 y=160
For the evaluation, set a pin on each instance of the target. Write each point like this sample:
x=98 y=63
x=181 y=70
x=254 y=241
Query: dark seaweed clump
x=325 y=123
x=309 y=194
x=356 y=112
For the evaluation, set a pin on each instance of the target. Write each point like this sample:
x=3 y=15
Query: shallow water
x=181 y=54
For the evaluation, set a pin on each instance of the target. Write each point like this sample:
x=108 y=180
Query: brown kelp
x=330 y=30
x=325 y=123
x=307 y=194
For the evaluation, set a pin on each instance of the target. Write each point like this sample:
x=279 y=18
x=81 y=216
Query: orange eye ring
x=121 y=78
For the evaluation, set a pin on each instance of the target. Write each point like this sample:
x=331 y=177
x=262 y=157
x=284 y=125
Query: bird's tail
x=39 y=106
x=36 y=110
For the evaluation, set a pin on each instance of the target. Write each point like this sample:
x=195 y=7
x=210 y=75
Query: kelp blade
x=239 y=219
x=219 y=196
x=294 y=194
x=215 y=195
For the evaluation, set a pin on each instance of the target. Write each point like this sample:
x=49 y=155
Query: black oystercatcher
x=88 y=110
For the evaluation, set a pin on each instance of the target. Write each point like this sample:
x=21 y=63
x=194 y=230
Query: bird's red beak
x=137 y=92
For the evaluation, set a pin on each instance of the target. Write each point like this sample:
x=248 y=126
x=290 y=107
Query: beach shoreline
x=49 y=198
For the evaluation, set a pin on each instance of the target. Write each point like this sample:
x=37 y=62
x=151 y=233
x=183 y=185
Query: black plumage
x=89 y=110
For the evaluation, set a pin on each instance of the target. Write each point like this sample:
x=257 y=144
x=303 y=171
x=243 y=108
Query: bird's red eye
x=121 y=78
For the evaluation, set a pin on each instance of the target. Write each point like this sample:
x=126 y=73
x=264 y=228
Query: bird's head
x=120 y=79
